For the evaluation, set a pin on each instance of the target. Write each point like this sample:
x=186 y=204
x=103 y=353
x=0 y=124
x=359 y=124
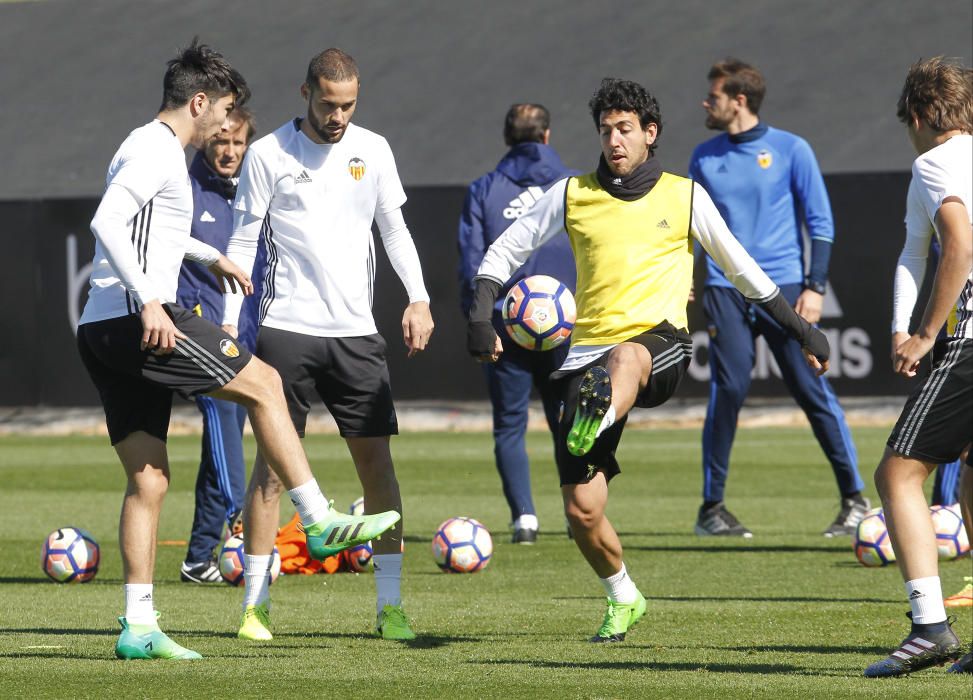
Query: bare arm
x=955 y=263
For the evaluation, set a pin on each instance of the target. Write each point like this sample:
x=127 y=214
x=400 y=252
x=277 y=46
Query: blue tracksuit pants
x=945 y=490
x=221 y=481
x=510 y=381
x=734 y=325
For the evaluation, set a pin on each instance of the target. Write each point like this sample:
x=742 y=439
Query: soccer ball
x=539 y=313
x=951 y=539
x=231 y=561
x=359 y=558
x=462 y=546
x=873 y=547
x=357 y=506
x=70 y=555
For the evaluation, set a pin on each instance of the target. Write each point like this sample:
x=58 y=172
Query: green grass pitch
x=788 y=614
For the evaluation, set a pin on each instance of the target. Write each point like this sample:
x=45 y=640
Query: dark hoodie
x=499 y=198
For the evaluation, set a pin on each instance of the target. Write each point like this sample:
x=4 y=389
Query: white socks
x=139 y=609
x=526 y=521
x=926 y=598
x=256 y=577
x=311 y=505
x=607 y=422
x=619 y=587
x=388 y=578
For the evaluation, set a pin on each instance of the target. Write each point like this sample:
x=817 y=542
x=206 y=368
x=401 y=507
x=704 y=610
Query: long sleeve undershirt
x=396 y=238
x=546 y=219
x=112 y=226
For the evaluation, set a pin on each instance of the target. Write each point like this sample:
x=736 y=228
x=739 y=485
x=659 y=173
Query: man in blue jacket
x=221 y=481
x=493 y=202
x=766 y=183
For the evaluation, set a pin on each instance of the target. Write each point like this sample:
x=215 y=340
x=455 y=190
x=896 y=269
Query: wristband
x=817 y=287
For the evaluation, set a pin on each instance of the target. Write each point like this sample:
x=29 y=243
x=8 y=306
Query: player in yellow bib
x=632 y=228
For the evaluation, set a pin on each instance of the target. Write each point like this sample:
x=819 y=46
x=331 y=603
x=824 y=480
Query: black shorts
x=349 y=375
x=136 y=386
x=937 y=421
x=671 y=350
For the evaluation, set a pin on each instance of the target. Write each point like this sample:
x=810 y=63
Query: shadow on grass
x=762 y=669
x=741 y=598
x=804 y=649
x=73 y=655
x=771 y=599
x=742 y=548
x=43 y=579
x=424 y=641
x=24 y=579
x=55 y=630
x=110 y=657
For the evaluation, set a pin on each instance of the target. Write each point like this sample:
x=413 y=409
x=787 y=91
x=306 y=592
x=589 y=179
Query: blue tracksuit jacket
x=495 y=201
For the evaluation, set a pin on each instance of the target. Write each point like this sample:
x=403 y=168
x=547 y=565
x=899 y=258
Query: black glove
x=481 y=339
x=810 y=338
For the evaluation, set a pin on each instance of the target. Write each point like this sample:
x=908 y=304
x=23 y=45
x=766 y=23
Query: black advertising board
x=49 y=249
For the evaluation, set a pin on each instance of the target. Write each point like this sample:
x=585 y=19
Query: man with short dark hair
x=139 y=347
x=766 y=184
x=936 y=424
x=631 y=227
x=221 y=480
x=310 y=191
x=492 y=203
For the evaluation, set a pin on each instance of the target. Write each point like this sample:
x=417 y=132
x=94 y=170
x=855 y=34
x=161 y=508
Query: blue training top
x=496 y=200
x=213 y=224
x=764 y=182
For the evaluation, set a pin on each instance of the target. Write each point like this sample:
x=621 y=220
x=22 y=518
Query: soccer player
x=311 y=189
x=936 y=424
x=765 y=183
x=221 y=480
x=139 y=346
x=492 y=203
x=632 y=228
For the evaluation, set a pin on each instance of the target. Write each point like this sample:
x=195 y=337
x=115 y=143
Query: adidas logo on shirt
x=522 y=202
x=663 y=225
x=302 y=178
x=206 y=217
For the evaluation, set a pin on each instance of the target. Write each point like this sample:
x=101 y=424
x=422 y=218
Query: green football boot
x=339 y=531
x=393 y=624
x=618 y=619
x=255 y=624
x=594 y=400
x=149 y=642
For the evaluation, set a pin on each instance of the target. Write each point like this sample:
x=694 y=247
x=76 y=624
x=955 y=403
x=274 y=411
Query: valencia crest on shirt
x=356 y=166
x=765 y=159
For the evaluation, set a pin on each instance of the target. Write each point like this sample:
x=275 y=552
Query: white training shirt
x=142 y=226
x=944 y=171
x=313 y=206
x=546 y=220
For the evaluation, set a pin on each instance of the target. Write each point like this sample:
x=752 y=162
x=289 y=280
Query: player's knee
x=149 y=483
x=734 y=389
x=581 y=517
x=265 y=384
x=630 y=355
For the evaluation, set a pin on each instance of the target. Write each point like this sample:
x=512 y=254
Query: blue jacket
x=213 y=224
x=499 y=198
x=766 y=183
